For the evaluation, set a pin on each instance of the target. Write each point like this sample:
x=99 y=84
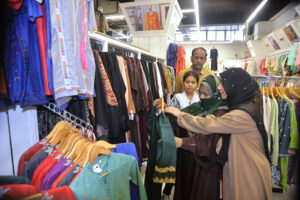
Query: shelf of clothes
x=281 y=112
x=282 y=65
x=66 y=165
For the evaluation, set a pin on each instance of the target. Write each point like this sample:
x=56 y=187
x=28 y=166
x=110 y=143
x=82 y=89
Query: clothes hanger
x=73 y=143
x=62 y=144
x=68 y=144
x=271 y=91
x=61 y=135
x=277 y=91
x=78 y=148
x=57 y=132
x=295 y=92
x=105 y=144
x=72 y=151
x=58 y=126
x=84 y=154
x=82 y=161
x=96 y=150
x=38 y=196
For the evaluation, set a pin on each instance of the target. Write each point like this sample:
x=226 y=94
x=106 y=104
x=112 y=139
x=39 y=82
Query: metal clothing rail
x=270 y=76
x=75 y=121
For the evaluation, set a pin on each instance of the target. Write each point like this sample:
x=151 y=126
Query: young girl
x=189 y=96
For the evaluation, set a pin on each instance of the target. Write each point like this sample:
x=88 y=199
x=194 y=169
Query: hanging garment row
x=176 y=57
x=125 y=88
x=283 y=64
x=277 y=65
x=48 y=52
x=109 y=89
x=66 y=163
x=281 y=111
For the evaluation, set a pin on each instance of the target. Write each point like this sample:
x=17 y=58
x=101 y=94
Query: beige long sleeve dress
x=247 y=174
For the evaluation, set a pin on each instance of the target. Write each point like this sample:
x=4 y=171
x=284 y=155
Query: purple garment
x=62 y=165
x=129 y=149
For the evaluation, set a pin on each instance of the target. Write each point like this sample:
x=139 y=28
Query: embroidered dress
x=22 y=56
x=73 y=61
x=161 y=162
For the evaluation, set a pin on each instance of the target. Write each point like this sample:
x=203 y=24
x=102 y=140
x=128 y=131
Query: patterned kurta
x=95 y=183
x=72 y=56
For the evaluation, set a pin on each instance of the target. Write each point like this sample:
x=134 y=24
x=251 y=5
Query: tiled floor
x=289 y=195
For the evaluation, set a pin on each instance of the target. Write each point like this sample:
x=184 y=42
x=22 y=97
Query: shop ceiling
x=219 y=12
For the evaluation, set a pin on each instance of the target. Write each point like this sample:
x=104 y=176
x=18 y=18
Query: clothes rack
x=108 y=41
x=96 y=45
x=272 y=77
x=75 y=121
x=148 y=58
x=121 y=51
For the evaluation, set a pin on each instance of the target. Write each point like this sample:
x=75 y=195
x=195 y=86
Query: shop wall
x=19 y=131
x=225 y=50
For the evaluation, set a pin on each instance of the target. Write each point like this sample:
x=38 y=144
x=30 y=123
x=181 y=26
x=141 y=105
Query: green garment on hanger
x=294 y=144
x=165 y=167
x=274 y=132
x=108 y=178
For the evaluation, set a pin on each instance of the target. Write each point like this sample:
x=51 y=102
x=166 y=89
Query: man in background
x=198 y=59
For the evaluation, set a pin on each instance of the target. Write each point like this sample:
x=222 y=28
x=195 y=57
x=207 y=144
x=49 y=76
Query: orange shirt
x=152 y=22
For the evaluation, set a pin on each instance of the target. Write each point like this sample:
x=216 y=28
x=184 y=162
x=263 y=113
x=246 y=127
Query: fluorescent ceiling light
x=196 y=6
x=259 y=7
x=115 y=17
x=187 y=10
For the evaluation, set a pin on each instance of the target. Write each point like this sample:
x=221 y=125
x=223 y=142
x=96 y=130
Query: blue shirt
x=22 y=58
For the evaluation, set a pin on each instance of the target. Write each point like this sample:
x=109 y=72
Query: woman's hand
x=172 y=110
x=178 y=142
x=158 y=103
